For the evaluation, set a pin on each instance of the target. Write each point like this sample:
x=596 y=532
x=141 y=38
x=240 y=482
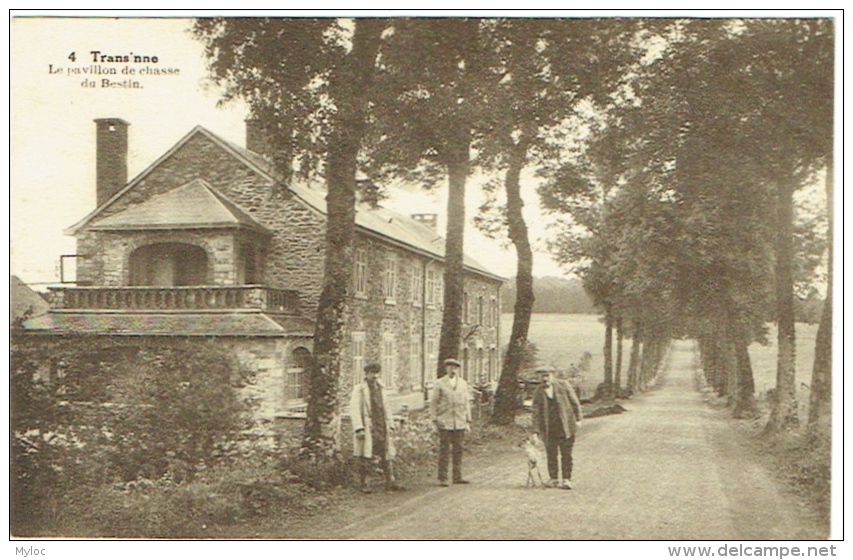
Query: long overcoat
x=451 y=405
x=361 y=415
x=568 y=405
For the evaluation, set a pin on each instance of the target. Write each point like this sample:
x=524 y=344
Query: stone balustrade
x=176 y=298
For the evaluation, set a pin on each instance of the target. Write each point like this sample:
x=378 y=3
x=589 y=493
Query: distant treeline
x=553 y=295
x=561 y=295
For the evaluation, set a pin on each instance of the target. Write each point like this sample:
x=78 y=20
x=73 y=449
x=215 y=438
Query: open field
x=764 y=363
x=563 y=338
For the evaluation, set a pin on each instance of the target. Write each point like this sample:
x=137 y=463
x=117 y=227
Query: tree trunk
x=506 y=399
x=729 y=361
x=701 y=344
x=634 y=360
x=745 y=406
x=784 y=414
x=820 y=399
x=617 y=374
x=643 y=363
x=350 y=90
x=704 y=357
x=607 y=393
x=454 y=275
x=712 y=362
x=455 y=153
x=730 y=365
x=652 y=357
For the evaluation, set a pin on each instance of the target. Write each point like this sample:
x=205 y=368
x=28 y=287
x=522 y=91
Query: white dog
x=531 y=446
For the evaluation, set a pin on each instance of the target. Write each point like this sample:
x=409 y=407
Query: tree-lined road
x=669 y=468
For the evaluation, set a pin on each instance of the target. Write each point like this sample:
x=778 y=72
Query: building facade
x=210 y=242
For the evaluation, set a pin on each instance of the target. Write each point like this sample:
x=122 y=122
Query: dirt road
x=669 y=468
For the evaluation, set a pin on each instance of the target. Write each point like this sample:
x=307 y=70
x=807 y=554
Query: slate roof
x=391 y=226
x=194 y=205
x=24 y=301
x=172 y=324
x=388 y=224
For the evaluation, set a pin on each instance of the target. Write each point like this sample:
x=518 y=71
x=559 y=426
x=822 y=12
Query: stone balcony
x=176 y=298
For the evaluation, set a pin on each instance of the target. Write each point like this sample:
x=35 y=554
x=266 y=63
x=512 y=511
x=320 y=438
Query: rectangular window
x=480 y=365
x=493 y=364
x=389 y=359
x=466 y=365
x=431 y=358
x=360 y=272
x=390 y=283
x=417 y=285
x=439 y=289
x=415 y=358
x=294 y=388
x=465 y=308
x=480 y=310
x=493 y=311
x=357 y=357
x=430 y=286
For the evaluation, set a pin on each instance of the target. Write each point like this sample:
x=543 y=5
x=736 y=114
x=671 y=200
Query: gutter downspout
x=497 y=334
x=423 y=330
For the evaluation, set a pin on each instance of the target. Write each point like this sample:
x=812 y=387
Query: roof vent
x=429 y=220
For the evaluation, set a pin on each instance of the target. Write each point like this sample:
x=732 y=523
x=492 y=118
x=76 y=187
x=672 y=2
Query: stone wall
x=264 y=360
x=292 y=259
x=481 y=331
x=108 y=254
x=410 y=320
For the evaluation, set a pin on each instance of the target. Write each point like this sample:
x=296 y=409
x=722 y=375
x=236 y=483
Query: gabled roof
x=194 y=205
x=393 y=227
x=383 y=223
x=240 y=154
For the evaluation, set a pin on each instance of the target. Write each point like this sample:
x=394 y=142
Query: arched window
x=168 y=264
x=295 y=387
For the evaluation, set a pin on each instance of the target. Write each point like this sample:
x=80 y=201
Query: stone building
x=210 y=242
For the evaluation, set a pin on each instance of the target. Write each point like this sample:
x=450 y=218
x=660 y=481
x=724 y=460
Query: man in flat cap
x=371 y=424
x=557 y=414
x=451 y=411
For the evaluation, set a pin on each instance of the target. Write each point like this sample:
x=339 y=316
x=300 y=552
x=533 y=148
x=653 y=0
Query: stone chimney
x=111 y=155
x=259 y=139
x=429 y=220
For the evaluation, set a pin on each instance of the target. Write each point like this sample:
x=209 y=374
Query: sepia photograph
x=426 y=276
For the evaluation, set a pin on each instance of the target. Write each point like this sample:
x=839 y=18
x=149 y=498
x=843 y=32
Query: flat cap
x=452 y=362
x=373 y=367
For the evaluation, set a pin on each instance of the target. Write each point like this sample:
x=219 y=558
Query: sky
x=53 y=133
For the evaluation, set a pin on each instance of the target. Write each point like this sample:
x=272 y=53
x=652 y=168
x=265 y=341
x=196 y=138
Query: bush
x=235 y=491
x=416 y=441
x=320 y=473
x=119 y=414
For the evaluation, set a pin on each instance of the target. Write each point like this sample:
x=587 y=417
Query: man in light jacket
x=371 y=424
x=556 y=415
x=451 y=411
